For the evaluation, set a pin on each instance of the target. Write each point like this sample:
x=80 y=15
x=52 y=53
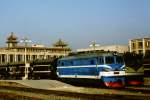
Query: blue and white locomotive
x=107 y=67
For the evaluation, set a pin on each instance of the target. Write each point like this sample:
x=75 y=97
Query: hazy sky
x=77 y=22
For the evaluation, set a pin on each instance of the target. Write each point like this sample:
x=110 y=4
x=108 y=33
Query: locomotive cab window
x=109 y=60
x=119 y=60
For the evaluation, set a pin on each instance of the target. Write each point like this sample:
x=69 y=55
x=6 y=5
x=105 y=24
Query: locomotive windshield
x=119 y=60
x=114 y=60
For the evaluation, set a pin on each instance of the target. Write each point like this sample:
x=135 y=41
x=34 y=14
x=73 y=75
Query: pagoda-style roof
x=12 y=38
x=60 y=43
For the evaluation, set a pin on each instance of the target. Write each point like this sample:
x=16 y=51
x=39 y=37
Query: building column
x=7 y=58
x=0 y=58
x=38 y=56
x=13 y=56
x=31 y=57
x=137 y=47
x=130 y=45
x=143 y=47
x=15 y=60
x=45 y=54
x=22 y=57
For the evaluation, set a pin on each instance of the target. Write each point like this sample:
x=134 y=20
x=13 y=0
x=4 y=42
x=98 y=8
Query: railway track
x=134 y=89
x=83 y=96
x=144 y=90
x=12 y=96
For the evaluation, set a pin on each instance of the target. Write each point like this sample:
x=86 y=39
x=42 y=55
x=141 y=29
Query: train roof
x=78 y=55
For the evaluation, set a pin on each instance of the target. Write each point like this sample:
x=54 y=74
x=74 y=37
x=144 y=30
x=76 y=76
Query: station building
x=117 y=48
x=140 y=45
x=14 y=52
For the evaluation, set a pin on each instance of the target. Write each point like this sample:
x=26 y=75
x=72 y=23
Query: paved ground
x=42 y=84
x=99 y=93
x=57 y=85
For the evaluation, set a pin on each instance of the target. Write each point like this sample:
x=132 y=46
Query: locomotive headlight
x=123 y=69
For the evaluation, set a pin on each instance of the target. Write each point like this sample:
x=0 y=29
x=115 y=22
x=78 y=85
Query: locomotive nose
x=115 y=82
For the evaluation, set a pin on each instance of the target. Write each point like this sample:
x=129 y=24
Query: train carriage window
x=109 y=60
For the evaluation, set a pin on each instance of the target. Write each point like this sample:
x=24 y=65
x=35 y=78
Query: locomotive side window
x=92 y=62
x=78 y=62
x=101 y=60
x=109 y=60
x=61 y=63
x=71 y=62
x=84 y=61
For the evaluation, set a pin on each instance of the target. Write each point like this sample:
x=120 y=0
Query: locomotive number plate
x=116 y=72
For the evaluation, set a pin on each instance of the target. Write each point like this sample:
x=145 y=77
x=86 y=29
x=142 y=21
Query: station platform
x=40 y=84
x=60 y=86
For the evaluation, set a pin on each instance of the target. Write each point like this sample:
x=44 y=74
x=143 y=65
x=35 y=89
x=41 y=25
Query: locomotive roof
x=89 y=55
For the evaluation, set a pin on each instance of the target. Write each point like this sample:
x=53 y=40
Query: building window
x=148 y=44
x=140 y=44
x=140 y=51
x=19 y=57
x=11 y=57
x=3 y=58
x=147 y=51
x=41 y=57
x=133 y=45
x=34 y=57
x=28 y=57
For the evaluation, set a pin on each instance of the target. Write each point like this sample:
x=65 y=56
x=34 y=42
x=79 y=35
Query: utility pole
x=94 y=45
x=27 y=65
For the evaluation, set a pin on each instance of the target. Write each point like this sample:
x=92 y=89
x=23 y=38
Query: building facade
x=14 y=52
x=140 y=46
x=117 y=48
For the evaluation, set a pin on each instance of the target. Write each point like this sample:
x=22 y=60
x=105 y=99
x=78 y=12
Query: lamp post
x=25 y=41
x=94 y=45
